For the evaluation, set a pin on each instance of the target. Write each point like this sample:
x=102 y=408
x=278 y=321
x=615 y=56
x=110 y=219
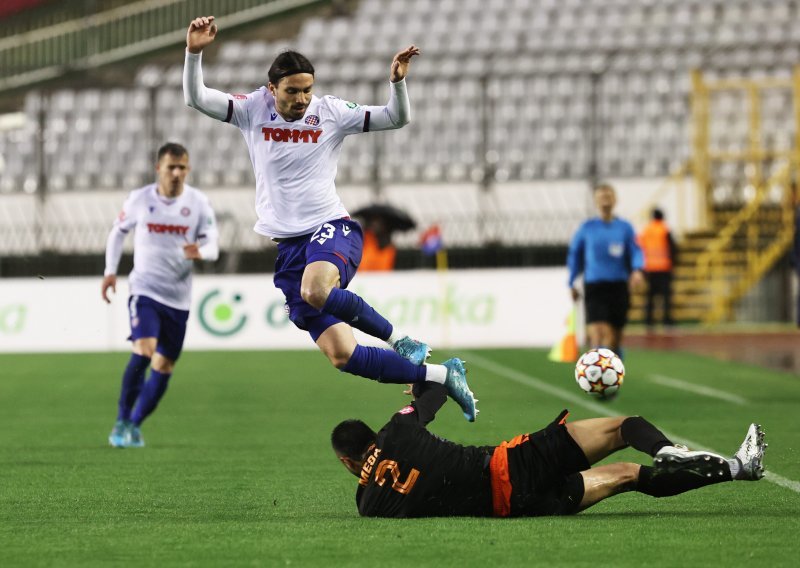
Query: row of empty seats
x=512 y=214
x=504 y=90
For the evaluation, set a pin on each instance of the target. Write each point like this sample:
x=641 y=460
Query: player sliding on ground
x=295 y=139
x=405 y=471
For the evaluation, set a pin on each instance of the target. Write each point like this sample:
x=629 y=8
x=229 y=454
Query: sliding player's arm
x=428 y=399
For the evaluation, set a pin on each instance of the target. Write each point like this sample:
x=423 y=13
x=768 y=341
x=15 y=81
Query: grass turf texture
x=238 y=470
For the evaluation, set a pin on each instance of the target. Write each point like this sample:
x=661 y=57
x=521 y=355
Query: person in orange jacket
x=379 y=252
x=660 y=254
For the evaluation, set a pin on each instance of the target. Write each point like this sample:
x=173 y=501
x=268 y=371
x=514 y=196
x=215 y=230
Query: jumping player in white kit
x=294 y=139
x=174 y=225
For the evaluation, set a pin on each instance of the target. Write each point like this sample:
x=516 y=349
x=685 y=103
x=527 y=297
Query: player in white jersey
x=295 y=139
x=174 y=225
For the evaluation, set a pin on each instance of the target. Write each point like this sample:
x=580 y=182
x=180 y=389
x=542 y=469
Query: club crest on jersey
x=291 y=135
x=312 y=119
x=186 y=211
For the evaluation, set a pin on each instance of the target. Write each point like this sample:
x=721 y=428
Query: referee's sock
x=132 y=380
x=353 y=310
x=153 y=390
x=384 y=366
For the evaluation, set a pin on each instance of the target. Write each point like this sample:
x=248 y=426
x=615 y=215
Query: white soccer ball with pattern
x=600 y=373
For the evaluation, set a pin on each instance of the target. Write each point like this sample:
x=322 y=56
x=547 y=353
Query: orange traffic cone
x=566 y=350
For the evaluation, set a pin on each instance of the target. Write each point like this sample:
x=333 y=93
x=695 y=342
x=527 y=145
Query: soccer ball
x=600 y=373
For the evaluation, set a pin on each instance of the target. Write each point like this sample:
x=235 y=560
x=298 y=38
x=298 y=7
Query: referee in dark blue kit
x=604 y=249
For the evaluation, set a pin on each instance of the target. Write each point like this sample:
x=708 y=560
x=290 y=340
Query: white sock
x=735 y=465
x=436 y=373
x=396 y=336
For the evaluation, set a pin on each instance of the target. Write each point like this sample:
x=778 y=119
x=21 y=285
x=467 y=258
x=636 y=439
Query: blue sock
x=132 y=380
x=384 y=366
x=353 y=310
x=153 y=390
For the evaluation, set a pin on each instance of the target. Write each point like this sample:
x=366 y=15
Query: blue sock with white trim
x=153 y=390
x=384 y=366
x=132 y=381
x=353 y=310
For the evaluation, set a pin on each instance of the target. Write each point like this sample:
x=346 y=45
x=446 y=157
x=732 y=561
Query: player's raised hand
x=109 y=281
x=201 y=33
x=401 y=62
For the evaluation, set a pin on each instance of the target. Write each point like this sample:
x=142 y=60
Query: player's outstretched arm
x=200 y=34
x=109 y=281
x=397 y=112
x=211 y=102
x=400 y=63
x=429 y=397
x=116 y=238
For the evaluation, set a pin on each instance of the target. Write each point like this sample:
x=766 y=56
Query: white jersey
x=162 y=227
x=294 y=162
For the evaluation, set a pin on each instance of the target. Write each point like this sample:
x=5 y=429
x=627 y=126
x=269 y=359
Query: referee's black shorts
x=607 y=302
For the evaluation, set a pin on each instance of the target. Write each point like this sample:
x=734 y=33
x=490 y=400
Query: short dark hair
x=351 y=438
x=658 y=214
x=173 y=149
x=288 y=63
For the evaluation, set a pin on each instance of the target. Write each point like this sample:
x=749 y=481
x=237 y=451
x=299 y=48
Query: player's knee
x=339 y=359
x=144 y=349
x=314 y=294
x=162 y=364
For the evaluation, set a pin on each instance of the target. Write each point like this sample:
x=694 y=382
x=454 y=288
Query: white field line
x=671 y=382
x=595 y=407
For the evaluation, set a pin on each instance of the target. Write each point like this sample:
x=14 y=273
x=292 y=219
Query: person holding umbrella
x=380 y=221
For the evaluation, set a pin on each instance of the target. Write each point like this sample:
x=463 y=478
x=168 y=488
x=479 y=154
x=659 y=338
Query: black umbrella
x=395 y=219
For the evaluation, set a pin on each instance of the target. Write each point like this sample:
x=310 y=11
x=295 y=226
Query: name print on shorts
x=291 y=135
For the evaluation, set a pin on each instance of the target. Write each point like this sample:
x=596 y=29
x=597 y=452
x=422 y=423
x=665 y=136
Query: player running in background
x=605 y=250
x=405 y=471
x=295 y=139
x=174 y=225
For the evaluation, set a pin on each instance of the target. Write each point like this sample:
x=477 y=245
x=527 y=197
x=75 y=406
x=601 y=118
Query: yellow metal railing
x=744 y=239
x=676 y=182
x=711 y=265
x=108 y=36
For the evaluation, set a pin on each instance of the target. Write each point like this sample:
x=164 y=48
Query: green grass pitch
x=238 y=470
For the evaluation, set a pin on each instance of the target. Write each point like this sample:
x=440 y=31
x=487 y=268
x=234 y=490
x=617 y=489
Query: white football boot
x=751 y=454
